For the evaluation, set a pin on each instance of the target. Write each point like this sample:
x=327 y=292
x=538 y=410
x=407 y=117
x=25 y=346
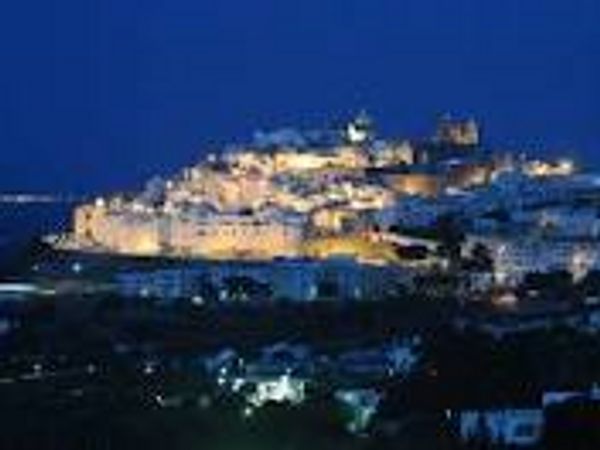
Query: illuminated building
x=294 y=194
x=333 y=219
x=359 y=131
x=402 y=153
x=413 y=183
x=516 y=256
x=137 y=233
x=466 y=175
x=457 y=132
x=362 y=404
x=260 y=235
x=284 y=388
x=562 y=167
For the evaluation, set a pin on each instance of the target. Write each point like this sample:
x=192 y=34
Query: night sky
x=98 y=95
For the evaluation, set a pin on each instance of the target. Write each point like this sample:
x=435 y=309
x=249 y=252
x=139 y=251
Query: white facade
x=277 y=389
x=516 y=256
x=291 y=280
x=516 y=427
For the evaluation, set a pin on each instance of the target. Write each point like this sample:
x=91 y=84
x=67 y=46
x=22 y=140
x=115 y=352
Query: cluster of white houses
x=271 y=201
x=515 y=257
x=296 y=280
x=260 y=201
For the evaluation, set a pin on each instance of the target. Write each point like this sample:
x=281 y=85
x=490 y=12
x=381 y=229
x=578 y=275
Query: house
x=516 y=426
x=284 y=388
x=519 y=427
x=403 y=355
x=362 y=405
x=281 y=358
x=364 y=362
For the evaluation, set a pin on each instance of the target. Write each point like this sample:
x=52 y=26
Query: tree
x=481 y=258
x=243 y=288
x=450 y=234
x=557 y=285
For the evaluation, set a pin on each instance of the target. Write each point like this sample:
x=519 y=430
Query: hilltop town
x=280 y=193
x=292 y=207
x=324 y=287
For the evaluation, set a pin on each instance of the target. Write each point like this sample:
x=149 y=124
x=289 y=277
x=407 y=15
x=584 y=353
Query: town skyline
x=120 y=92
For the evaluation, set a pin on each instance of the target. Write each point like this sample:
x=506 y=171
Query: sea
x=20 y=223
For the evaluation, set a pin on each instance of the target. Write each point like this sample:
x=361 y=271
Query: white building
x=515 y=256
x=284 y=388
x=519 y=427
x=363 y=405
x=286 y=279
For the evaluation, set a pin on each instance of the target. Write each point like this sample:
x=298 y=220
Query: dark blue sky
x=96 y=95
